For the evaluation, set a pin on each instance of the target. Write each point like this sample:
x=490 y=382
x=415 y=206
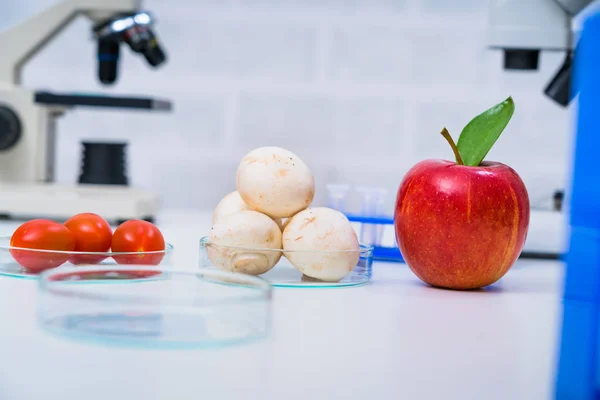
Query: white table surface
x=393 y=338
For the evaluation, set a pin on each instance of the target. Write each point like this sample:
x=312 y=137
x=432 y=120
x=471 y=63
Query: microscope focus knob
x=10 y=128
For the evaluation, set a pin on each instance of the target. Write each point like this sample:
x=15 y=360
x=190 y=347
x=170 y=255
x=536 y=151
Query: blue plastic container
x=380 y=253
x=578 y=372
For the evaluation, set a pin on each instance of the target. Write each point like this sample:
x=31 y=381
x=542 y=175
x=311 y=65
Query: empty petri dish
x=29 y=263
x=164 y=307
x=284 y=273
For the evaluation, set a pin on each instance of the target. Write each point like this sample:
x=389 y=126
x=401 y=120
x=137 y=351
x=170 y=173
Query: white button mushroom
x=236 y=240
x=275 y=181
x=233 y=203
x=325 y=242
x=229 y=204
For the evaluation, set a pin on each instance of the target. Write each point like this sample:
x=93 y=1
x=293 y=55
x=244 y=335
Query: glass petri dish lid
x=164 y=307
x=289 y=265
x=29 y=263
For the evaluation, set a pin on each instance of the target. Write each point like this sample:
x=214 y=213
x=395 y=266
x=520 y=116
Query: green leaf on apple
x=481 y=133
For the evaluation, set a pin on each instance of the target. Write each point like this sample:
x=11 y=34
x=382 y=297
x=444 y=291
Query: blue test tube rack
x=578 y=364
x=380 y=253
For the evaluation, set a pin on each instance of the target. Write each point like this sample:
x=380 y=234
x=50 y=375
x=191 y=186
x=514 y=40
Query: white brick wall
x=317 y=77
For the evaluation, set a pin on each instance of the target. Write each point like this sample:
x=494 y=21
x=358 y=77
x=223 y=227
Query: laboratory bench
x=393 y=338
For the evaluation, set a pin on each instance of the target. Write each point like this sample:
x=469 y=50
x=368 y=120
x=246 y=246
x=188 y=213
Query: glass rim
x=60 y=287
x=168 y=249
x=363 y=248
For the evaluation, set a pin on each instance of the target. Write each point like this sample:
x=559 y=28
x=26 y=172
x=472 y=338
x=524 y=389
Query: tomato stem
x=447 y=136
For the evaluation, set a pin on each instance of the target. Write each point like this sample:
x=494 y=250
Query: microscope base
x=115 y=203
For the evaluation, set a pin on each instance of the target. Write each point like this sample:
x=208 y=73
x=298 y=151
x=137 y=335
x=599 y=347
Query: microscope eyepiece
x=108 y=60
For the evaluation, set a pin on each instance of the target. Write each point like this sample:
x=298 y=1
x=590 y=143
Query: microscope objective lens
x=108 y=59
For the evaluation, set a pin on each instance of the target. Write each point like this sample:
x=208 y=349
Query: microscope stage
x=113 y=202
x=100 y=100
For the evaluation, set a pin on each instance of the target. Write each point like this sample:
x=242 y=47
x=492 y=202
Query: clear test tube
x=372 y=205
x=337 y=195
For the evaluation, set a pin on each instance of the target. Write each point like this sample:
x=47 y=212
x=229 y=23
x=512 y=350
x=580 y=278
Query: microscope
x=28 y=118
x=523 y=28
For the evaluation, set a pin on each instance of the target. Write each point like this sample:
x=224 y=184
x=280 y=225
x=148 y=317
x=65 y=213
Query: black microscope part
x=154 y=54
x=10 y=128
x=108 y=60
x=102 y=100
x=142 y=40
x=521 y=59
x=135 y=37
x=558 y=199
x=104 y=164
x=559 y=89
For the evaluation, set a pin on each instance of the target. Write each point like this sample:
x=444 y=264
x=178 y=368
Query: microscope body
x=27 y=137
x=28 y=118
x=27 y=169
x=524 y=28
x=533 y=24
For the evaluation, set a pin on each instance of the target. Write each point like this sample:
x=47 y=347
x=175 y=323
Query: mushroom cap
x=231 y=203
x=275 y=181
x=239 y=243
x=331 y=239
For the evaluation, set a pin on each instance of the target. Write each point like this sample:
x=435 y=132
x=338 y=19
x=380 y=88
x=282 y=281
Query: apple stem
x=447 y=136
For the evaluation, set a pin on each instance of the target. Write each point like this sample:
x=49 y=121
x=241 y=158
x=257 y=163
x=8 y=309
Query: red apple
x=460 y=226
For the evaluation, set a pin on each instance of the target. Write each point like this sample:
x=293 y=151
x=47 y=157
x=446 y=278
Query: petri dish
x=14 y=260
x=164 y=307
x=284 y=274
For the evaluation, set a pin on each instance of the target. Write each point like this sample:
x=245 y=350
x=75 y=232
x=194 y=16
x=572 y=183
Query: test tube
x=337 y=196
x=373 y=201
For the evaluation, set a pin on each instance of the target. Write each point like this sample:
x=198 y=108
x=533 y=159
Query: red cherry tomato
x=92 y=234
x=41 y=234
x=138 y=236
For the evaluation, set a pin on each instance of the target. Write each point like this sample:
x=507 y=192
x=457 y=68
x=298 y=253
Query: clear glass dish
x=163 y=307
x=49 y=259
x=284 y=274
